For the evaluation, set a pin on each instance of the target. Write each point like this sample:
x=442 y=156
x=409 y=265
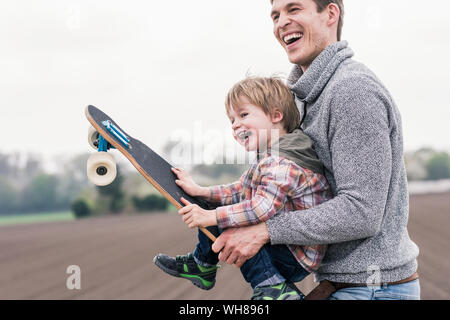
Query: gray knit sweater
x=356 y=129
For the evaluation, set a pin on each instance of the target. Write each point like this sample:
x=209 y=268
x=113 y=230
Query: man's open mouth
x=293 y=37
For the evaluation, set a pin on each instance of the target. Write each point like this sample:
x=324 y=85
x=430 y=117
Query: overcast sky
x=163 y=67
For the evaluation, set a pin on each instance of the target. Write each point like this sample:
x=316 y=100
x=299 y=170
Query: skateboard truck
x=119 y=135
x=102 y=145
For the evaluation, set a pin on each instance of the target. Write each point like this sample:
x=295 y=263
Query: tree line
x=427 y=164
x=27 y=187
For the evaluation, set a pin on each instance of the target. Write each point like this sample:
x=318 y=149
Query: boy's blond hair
x=268 y=94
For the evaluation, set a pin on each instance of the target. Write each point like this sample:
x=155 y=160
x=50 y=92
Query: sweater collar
x=308 y=86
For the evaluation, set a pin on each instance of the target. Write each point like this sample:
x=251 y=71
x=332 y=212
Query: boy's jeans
x=273 y=264
x=404 y=291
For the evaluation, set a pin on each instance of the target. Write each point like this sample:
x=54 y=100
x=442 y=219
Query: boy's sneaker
x=186 y=267
x=281 y=291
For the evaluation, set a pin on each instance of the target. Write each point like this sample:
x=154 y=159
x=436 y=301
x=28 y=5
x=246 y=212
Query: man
x=356 y=129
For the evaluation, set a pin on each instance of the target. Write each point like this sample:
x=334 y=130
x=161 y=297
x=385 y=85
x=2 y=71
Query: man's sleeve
x=276 y=182
x=359 y=141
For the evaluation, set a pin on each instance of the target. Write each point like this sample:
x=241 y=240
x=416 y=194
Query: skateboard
x=105 y=134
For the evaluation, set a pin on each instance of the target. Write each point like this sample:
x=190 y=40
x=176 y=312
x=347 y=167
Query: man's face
x=300 y=29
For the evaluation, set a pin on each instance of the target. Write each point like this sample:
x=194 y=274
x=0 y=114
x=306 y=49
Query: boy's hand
x=186 y=183
x=194 y=216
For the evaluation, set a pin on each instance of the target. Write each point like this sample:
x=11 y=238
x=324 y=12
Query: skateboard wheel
x=93 y=137
x=101 y=168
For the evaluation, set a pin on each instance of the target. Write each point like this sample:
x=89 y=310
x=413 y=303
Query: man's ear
x=277 y=116
x=333 y=14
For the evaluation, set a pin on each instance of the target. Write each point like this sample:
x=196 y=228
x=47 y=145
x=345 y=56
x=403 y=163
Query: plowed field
x=115 y=257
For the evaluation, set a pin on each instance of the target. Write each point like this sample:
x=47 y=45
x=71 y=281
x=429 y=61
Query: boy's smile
x=251 y=126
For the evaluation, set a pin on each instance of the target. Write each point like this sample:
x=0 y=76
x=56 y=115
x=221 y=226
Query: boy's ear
x=277 y=116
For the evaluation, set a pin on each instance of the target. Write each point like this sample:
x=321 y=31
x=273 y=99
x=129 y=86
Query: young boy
x=287 y=176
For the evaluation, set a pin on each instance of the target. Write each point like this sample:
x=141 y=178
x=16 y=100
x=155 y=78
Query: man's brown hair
x=269 y=94
x=322 y=4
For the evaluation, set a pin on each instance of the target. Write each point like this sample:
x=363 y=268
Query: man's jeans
x=273 y=264
x=405 y=291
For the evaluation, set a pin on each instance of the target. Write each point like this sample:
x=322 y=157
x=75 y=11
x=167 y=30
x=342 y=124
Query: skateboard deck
x=152 y=166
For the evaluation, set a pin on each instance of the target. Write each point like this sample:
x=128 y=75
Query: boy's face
x=300 y=29
x=251 y=126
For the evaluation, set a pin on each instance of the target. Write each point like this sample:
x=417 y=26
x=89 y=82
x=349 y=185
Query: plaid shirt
x=270 y=186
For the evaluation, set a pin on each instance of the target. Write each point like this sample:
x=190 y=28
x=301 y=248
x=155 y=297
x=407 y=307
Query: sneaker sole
x=194 y=279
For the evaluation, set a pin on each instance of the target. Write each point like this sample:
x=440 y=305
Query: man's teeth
x=292 y=37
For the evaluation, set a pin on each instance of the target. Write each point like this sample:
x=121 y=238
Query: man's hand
x=194 y=216
x=237 y=245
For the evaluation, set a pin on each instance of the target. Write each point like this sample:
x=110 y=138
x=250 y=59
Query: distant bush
x=150 y=203
x=8 y=197
x=438 y=166
x=81 y=209
x=114 y=193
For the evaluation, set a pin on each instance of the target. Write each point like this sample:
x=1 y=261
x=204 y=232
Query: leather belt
x=327 y=288
x=342 y=285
